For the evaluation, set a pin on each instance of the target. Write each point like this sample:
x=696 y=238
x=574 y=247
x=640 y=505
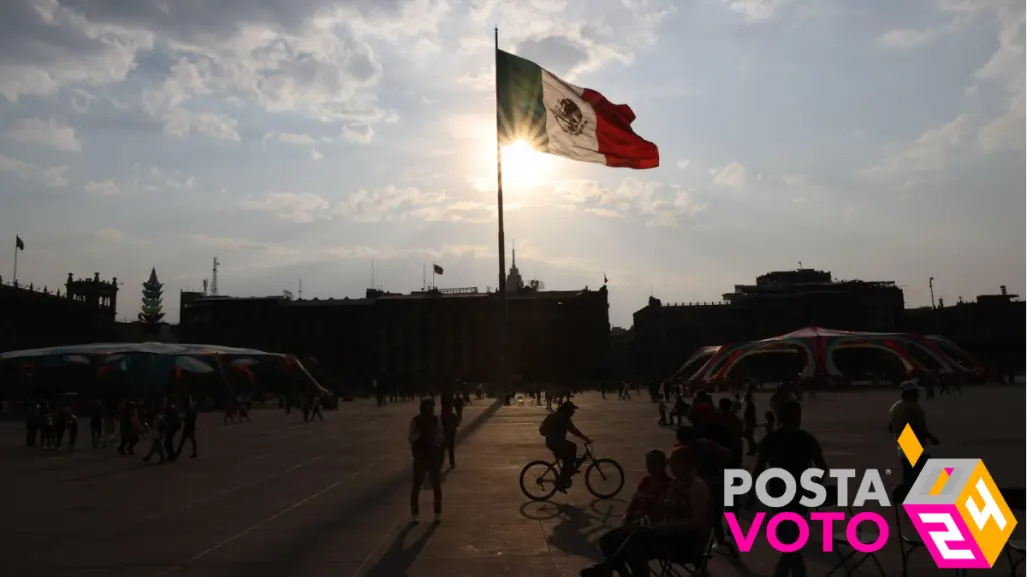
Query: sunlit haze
x=881 y=140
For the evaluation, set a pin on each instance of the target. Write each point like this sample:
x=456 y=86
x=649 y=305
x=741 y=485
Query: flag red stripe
x=617 y=142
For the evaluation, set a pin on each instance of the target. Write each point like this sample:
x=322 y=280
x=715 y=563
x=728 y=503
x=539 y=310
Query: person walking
x=426 y=438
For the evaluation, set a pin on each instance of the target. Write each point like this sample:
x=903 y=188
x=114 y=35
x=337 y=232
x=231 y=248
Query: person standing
x=450 y=422
x=173 y=422
x=426 y=439
x=908 y=411
x=749 y=423
x=793 y=449
x=188 y=430
x=96 y=423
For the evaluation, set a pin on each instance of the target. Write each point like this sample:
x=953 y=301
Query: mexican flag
x=559 y=118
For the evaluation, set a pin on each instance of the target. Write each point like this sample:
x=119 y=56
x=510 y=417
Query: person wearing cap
x=426 y=439
x=908 y=411
x=555 y=428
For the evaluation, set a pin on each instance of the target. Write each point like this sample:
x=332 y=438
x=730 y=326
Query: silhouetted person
x=72 y=420
x=96 y=423
x=426 y=438
x=188 y=430
x=793 y=449
x=450 y=422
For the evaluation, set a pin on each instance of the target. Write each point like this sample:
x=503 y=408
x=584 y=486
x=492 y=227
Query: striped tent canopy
x=818 y=345
x=150 y=367
x=104 y=349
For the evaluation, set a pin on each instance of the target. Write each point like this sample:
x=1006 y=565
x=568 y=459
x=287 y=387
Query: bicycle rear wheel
x=538 y=480
x=604 y=478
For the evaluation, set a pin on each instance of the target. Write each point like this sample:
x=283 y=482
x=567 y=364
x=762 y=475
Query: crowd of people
x=124 y=426
x=676 y=513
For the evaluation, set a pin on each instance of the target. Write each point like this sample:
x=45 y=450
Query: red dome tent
x=818 y=346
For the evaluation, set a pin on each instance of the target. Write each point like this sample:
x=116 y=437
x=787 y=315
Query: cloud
x=52 y=132
x=683 y=163
x=569 y=39
x=289 y=138
x=904 y=38
x=51 y=177
x=104 y=188
x=930 y=152
x=299 y=208
x=460 y=211
x=1005 y=69
x=733 y=175
x=361 y=134
x=795 y=179
x=669 y=212
x=756 y=10
x=46 y=46
x=660 y=205
x=111 y=235
x=385 y=203
x=180 y=122
x=315 y=155
x=81 y=101
x=605 y=212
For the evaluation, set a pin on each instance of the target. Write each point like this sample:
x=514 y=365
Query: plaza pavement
x=285 y=498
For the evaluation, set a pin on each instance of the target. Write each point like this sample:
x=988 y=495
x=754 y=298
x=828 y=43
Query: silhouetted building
x=991 y=328
x=780 y=302
x=32 y=317
x=428 y=336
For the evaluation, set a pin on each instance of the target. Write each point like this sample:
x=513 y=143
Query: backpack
x=425 y=443
x=547 y=425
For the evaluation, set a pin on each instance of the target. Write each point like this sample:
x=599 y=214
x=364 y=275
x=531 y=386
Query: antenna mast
x=301 y=288
x=214 y=278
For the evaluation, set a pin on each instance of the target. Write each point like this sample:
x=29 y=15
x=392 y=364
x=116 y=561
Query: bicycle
x=548 y=472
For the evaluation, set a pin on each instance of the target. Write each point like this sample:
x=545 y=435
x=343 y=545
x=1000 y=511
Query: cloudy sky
x=293 y=139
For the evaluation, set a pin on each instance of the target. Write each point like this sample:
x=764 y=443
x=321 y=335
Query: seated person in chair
x=647 y=497
x=679 y=526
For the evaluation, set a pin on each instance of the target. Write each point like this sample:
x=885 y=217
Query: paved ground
x=281 y=497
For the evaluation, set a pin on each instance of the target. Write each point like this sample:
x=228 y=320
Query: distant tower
x=301 y=288
x=214 y=278
x=204 y=286
x=514 y=282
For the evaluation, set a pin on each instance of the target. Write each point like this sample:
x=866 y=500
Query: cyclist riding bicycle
x=555 y=428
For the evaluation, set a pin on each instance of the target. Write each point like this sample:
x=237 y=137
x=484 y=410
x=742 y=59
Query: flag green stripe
x=522 y=112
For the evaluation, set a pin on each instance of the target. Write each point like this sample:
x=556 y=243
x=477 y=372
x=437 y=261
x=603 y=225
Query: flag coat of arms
x=556 y=117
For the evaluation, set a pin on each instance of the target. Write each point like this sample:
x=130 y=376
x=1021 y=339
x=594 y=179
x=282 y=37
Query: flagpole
x=504 y=319
x=433 y=276
x=15 y=279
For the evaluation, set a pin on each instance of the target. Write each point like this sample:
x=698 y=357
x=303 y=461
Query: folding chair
x=838 y=537
x=909 y=541
x=1017 y=501
x=683 y=567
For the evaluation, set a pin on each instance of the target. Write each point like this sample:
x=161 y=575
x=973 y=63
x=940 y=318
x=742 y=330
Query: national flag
x=436 y=269
x=18 y=243
x=559 y=118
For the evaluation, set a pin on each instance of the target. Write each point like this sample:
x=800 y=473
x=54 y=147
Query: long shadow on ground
x=396 y=561
x=319 y=534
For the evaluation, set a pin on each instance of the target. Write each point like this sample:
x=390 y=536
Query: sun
x=525 y=167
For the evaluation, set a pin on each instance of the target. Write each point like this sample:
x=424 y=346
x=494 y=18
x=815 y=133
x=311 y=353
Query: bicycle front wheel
x=538 y=480
x=604 y=478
